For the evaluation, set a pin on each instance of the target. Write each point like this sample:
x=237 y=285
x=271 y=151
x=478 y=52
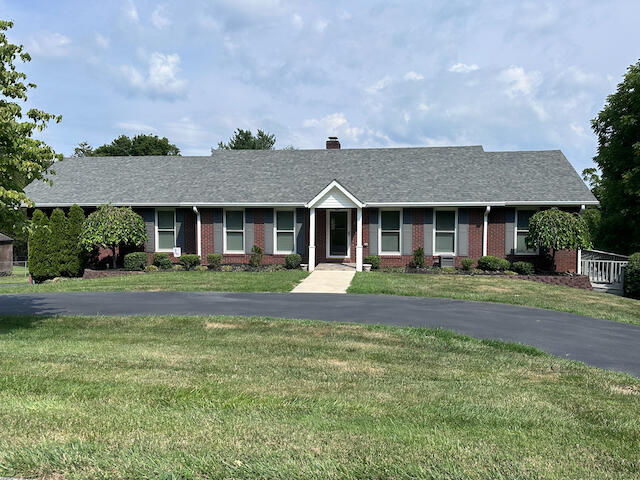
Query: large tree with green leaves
x=124 y=146
x=618 y=129
x=22 y=157
x=245 y=140
x=111 y=227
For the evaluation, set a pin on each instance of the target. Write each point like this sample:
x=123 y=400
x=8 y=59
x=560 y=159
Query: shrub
x=632 y=277
x=374 y=260
x=150 y=268
x=523 y=268
x=510 y=272
x=418 y=257
x=162 y=261
x=201 y=268
x=214 y=260
x=189 y=261
x=493 y=264
x=448 y=270
x=467 y=264
x=226 y=268
x=74 y=265
x=135 y=261
x=256 y=256
x=39 y=247
x=178 y=267
x=57 y=243
x=293 y=261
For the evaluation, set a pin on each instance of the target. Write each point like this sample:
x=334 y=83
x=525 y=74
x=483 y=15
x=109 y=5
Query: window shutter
x=301 y=232
x=149 y=216
x=373 y=231
x=509 y=228
x=268 y=231
x=428 y=231
x=217 y=230
x=463 y=232
x=180 y=228
x=248 y=230
x=407 y=227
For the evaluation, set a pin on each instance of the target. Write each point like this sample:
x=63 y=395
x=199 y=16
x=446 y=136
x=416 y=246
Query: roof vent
x=333 y=143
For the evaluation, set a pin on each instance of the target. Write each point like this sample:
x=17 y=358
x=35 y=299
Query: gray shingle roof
x=413 y=175
x=5 y=239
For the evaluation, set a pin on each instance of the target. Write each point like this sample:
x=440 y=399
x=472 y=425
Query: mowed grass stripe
x=231 y=397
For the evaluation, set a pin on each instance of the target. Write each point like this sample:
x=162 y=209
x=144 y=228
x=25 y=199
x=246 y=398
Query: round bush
x=467 y=264
x=201 y=268
x=632 y=277
x=151 y=268
x=493 y=264
x=135 y=261
x=189 y=261
x=214 y=260
x=162 y=261
x=178 y=267
x=523 y=268
x=374 y=260
x=293 y=261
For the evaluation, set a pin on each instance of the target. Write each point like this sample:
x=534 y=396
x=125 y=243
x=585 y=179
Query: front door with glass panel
x=338 y=234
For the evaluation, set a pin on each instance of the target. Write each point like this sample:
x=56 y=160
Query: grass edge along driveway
x=233 y=397
x=486 y=288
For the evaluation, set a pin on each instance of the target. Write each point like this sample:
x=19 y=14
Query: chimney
x=333 y=143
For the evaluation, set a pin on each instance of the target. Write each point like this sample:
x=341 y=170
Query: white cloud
x=423 y=107
x=578 y=130
x=406 y=117
x=187 y=132
x=381 y=84
x=160 y=18
x=160 y=79
x=297 y=21
x=580 y=77
x=463 y=68
x=49 y=45
x=135 y=127
x=414 y=76
x=520 y=82
x=334 y=124
x=102 y=41
x=130 y=11
x=320 y=25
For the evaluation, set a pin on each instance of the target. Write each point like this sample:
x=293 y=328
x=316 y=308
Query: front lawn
x=282 y=281
x=501 y=290
x=229 y=397
x=19 y=275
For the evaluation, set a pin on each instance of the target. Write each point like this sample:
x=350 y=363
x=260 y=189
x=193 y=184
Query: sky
x=507 y=75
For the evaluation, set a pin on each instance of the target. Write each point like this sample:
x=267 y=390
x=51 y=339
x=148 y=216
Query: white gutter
x=484 y=230
x=198 y=230
x=579 y=266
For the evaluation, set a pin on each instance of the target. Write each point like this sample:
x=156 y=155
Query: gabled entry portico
x=339 y=202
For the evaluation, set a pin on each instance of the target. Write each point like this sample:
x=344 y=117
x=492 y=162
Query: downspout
x=198 y=231
x=579 y=266
x=484 y=230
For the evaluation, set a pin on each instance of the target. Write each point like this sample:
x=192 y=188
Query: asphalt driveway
x=601 y=343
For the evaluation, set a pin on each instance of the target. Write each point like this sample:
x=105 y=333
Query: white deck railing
x=606 y=274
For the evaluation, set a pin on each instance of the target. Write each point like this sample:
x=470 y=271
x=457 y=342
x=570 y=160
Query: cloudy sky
x=503 y=74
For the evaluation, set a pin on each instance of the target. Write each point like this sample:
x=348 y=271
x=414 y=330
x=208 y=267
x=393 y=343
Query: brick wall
x=495 y=233
x=206 y=220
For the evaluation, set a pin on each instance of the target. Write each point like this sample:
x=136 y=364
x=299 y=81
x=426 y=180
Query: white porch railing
x=605 y=274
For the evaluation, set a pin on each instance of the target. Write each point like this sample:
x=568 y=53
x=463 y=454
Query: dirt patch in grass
x=220 y=325
x=626 y=389
x=354 y=366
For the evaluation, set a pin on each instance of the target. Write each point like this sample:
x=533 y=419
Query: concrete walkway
x=325 y=281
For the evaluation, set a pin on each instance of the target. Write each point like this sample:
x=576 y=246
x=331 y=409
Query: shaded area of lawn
x=20 y=275
x=282 y=281
x=501 y=290
x=227 y=397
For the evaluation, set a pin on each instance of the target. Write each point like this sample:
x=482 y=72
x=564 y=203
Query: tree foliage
x=22 y=157
x=111 y=227
x=245 y=140
x=74 y=253
x=39 y=247
x=58 y=249
x=632 y=277
x=617 y=127
x=83 y=150
x=555 y=230
x=124 y=146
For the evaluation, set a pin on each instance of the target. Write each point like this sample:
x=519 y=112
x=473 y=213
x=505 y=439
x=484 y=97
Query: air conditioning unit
x=446 y=261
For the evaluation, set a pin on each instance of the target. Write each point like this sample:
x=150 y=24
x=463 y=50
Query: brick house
x=331 y=205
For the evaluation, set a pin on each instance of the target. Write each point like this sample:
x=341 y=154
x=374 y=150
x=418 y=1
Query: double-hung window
x=445 y=232
x=522 y=230
x=234 y=231
x=390 y=232
x=285 y=231
x=166 y=230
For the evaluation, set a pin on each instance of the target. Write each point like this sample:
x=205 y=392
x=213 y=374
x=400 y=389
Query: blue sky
x=504 y=74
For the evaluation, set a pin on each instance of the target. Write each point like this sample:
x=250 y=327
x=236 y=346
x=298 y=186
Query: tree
x=245 y=140
x=555 y=230
x=83 y=150
x=74 y=252
x=58 y=248
x=139 y=145
x=590 y=175
x=111 y=227
x=39 y=247
x=22 y=157
x=617 y=127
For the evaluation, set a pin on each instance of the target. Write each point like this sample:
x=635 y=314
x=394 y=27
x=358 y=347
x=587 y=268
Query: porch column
x=359 y=240
x=312 y=239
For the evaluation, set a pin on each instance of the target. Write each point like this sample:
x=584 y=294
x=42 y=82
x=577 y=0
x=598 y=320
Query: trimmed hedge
x=214 y=260
x=418 y=257
x=135 y=261
x=256 y=256
x=523 y=268
x=189 y=261
x=493 y=264
x=467 y=264
x=374 y=260
x=162 y=261
x=632 y=277
x=293 y=261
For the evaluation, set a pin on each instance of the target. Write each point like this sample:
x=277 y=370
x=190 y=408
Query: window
x=166 y=230
x=390 y=232
x=234 y=231
x=285 y=231
x=522 y=230
x=445 y=231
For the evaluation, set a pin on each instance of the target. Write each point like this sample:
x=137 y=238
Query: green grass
x=19 y=275
x=501 y=290
x=228 y=397
x=282 y=281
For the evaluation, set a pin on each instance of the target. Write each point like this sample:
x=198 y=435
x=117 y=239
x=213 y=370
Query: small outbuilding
x=6 y=255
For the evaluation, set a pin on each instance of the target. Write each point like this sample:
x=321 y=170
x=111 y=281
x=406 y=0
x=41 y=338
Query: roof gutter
x=198 y=231
x=485 y=225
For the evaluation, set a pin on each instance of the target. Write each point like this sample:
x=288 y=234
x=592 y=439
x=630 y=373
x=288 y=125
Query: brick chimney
x=333 y=143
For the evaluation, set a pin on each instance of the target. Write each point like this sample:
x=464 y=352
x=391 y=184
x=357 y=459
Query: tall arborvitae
x=58 y=251
x=75 y=253
x=39 y=267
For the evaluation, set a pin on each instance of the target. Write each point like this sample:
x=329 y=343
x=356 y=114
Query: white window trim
x=515 y=234
x=400 y=218
x=455 y=231
x=276 y=230
x=224 y=230
x=175 y=230
x=328 y=234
